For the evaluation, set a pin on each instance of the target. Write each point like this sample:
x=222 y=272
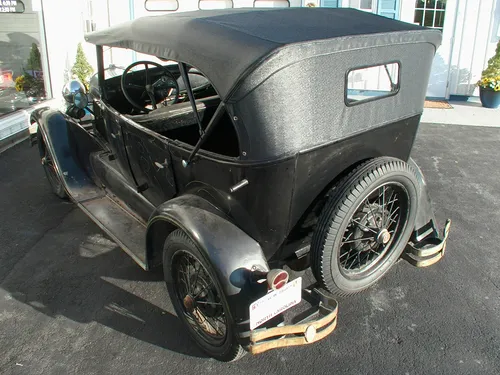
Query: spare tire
x=365 y=225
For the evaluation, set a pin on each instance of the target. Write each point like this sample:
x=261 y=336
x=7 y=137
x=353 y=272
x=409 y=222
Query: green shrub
x=82 y=69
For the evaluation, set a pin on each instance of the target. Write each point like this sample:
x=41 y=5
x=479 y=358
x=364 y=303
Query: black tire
x=50 y=172
x=222 y=345
x=355 y=225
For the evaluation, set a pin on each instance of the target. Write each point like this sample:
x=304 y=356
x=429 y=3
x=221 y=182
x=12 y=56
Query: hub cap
x=373 y=230
x=383 y=236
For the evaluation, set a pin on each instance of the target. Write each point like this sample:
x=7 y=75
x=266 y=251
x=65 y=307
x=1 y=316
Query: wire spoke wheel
x=49 y=167
x=199 y=297
x=373 y=229
x=364 y=225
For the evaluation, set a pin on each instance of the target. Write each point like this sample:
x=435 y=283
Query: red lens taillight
x=277 y=279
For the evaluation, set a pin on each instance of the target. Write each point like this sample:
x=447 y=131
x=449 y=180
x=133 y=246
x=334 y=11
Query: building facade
x=38 y=40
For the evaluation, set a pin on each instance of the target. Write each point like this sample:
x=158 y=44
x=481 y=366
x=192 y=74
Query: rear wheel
x=365 y=226
x=49 y=167
x=198 y=298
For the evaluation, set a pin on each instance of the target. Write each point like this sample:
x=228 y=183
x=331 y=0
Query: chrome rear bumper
x=313 y=328
x=323 y=320
x=428 y=251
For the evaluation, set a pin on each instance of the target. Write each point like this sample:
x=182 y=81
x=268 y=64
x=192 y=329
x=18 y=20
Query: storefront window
x=21 y=69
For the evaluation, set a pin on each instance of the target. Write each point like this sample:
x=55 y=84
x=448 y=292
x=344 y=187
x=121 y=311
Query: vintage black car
x=252 y=145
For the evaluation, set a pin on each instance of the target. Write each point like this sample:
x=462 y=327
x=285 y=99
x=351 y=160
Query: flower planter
x=489 y=98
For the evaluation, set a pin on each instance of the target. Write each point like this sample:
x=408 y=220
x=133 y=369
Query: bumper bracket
x=428 y=251
x=306 y=331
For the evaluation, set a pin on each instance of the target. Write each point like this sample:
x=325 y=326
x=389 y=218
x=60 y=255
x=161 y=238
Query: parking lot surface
x=72 y=302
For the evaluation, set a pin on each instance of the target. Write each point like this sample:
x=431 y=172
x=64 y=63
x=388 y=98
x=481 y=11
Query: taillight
x=277 y=279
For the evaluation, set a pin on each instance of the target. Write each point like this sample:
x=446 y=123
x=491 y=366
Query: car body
x=257 y=139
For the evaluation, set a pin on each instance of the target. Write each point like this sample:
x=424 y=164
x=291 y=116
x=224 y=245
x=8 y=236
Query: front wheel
x=198 y=298
x=364 y=226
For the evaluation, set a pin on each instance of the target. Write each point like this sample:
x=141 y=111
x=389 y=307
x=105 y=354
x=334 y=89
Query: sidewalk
x=463 y=113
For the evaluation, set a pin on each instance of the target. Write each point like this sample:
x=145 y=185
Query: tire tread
x=336 y=209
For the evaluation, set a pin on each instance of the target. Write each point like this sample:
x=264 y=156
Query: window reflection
x=21 y=74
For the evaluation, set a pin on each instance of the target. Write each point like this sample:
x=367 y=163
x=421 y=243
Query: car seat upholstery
x=175 y=116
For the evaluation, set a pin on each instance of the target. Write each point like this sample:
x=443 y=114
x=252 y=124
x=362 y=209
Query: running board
x=128 y=231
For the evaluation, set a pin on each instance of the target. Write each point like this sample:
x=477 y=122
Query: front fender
x=70 y=146
x=232 y=253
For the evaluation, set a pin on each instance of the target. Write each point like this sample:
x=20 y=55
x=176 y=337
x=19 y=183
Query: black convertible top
x=230 y=43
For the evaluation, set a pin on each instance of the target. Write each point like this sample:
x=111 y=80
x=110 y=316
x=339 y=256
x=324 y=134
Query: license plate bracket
x=275 y=303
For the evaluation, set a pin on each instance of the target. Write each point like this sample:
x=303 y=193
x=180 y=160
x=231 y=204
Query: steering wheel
x=164 y=89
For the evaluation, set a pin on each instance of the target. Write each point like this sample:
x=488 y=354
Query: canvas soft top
x=227 y=44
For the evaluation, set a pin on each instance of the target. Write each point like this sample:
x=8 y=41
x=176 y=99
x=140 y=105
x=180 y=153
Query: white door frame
x=452 y=30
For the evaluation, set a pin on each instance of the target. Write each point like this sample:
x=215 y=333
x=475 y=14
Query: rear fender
x=70 y=146
x=232 y=253
x=425 y=222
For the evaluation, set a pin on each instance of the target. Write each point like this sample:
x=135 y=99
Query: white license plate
x=275 y=303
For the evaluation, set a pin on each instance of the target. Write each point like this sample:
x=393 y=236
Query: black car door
x=150 y=162
x=114 y=135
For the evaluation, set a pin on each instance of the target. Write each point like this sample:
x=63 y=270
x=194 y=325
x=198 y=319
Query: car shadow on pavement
x=96 y=282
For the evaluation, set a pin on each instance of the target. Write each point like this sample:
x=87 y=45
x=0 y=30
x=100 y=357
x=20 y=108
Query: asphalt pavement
x=71 y=302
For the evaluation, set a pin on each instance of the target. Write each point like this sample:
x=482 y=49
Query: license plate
x=275 y=303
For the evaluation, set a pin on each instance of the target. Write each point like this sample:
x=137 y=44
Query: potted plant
x=489 y=84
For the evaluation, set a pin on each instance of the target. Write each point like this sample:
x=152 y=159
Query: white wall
x=469 y=39
x=407 y=11
x=63 y=31
x=474 y=43
x=64 y=28
x=471 y=44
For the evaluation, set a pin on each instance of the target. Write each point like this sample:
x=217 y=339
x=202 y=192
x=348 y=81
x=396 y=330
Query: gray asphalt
x=72 y=302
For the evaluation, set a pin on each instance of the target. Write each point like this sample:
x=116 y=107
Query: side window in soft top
x=371 y=83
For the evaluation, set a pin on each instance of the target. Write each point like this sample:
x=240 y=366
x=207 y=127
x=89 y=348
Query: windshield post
x=100 y=70
x=185 y=77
